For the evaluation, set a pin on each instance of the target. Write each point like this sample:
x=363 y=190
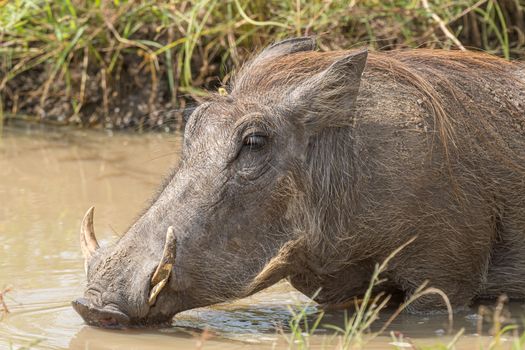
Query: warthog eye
x=255 y=141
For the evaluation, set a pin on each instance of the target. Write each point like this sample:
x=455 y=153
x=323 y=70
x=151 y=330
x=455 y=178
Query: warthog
x=316 y=166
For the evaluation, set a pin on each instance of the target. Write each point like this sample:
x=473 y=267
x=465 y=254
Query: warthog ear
x=286 y=47
x=326 y=99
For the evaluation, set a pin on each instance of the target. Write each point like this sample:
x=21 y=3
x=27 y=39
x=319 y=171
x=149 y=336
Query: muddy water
x=49 y=178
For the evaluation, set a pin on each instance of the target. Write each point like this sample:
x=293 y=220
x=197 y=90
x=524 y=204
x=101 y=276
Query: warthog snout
x=116 y=307
x=102 y=317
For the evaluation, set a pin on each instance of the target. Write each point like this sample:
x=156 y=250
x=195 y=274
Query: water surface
x=48 y=178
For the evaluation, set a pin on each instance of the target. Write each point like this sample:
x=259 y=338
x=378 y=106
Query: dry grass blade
x=257 y=23
x=442 y=25
x=4 y=310
x=202 y=338
x=419 y=293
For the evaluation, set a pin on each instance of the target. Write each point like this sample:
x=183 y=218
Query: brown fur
x=437 y=150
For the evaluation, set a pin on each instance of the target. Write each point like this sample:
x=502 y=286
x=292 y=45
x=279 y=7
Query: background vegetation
x=137 y=63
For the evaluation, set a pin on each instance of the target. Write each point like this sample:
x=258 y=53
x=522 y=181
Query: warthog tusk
x=88 y=240
x=163 y=271
x=156 y=290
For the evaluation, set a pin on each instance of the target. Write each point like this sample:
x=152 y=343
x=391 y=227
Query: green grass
x=184 y=47
x=356 y=332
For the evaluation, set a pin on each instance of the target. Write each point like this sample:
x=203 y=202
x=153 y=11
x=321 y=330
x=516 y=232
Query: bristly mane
x=436 y=74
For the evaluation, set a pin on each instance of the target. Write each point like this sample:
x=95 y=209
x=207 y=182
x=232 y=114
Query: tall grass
x=356 y=332
x=3 y=306
x=72 y=50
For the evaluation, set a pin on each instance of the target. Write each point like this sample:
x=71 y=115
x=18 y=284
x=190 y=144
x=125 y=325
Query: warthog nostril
x=100 y=317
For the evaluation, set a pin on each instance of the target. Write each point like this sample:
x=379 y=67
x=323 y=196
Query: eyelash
x=254 y=141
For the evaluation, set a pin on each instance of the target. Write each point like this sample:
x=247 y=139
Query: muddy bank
x=133 y=98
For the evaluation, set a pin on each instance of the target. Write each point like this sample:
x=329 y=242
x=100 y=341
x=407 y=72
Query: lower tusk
x=156 y=290
x=163 y=271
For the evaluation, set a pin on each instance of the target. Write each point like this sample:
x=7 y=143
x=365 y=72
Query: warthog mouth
x=106 y=317
x=112 y=318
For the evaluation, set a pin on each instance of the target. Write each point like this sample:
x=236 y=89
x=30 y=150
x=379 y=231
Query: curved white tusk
x=88 y=241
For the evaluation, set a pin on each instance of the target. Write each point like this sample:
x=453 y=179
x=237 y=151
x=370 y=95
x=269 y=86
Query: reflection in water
x=47 y=181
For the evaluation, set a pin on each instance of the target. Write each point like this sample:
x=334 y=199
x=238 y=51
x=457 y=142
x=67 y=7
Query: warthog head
x=228 y=218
